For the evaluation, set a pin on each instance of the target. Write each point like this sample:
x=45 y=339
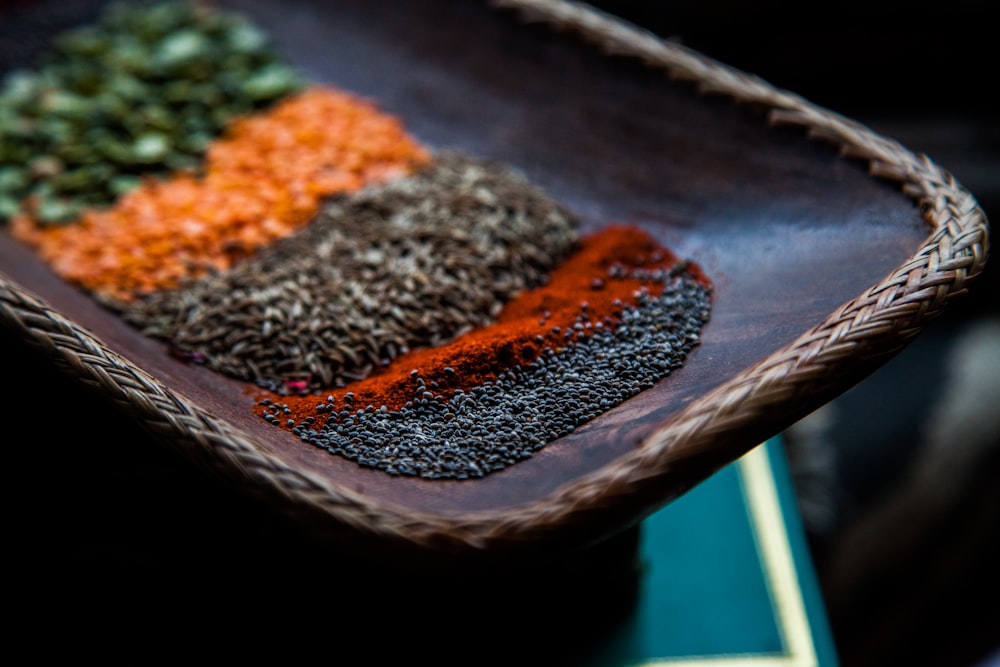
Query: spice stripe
x=615 y=318
x=141 y=91
x=263 y=179
x=410 y=263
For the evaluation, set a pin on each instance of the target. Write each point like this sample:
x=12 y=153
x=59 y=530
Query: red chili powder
x=532 y=322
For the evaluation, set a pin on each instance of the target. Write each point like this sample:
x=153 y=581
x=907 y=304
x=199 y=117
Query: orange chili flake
x=262 y=180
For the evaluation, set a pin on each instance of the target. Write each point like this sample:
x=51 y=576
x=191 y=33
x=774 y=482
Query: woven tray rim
x=873 y=326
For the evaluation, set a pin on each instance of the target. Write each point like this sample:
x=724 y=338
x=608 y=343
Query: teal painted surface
x=709 y=595
x=705 y=592
x=812 y=595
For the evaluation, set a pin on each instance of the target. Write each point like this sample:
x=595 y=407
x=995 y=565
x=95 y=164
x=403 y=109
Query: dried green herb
x=140 y=92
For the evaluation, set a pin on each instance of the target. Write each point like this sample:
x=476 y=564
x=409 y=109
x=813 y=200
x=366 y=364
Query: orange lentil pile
x=263 y=179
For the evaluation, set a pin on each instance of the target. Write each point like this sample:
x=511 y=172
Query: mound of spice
x=614 y=318
x=265 y=178
x=140 y=92
x=413 y=262
x=425 y=315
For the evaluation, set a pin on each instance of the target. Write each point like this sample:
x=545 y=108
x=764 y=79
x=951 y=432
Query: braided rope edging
x=873 y=326
x=209 y=443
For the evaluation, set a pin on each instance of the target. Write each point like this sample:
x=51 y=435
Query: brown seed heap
x=414 y=262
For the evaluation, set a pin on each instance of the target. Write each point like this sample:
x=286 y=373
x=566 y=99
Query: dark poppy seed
x=489 y=427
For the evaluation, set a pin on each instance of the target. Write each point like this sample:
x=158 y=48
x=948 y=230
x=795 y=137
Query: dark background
x=908 y=571
x=903 y=513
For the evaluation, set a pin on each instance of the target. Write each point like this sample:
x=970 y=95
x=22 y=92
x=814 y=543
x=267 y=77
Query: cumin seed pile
x=413 y=262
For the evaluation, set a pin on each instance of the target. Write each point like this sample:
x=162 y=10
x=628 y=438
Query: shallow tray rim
x=705 y=435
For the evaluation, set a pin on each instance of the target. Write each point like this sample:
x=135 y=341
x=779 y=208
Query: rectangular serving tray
x=829 y=246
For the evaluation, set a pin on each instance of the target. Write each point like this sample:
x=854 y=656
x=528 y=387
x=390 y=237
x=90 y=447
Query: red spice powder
x=532 y=322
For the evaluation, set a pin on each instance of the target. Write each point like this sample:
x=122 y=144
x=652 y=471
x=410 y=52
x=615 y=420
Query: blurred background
x=898 y=479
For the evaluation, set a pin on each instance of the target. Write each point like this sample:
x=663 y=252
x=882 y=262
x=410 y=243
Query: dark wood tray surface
x=788 y=228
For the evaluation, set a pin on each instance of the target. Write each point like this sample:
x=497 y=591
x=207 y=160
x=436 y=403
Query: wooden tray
x=830 y=248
